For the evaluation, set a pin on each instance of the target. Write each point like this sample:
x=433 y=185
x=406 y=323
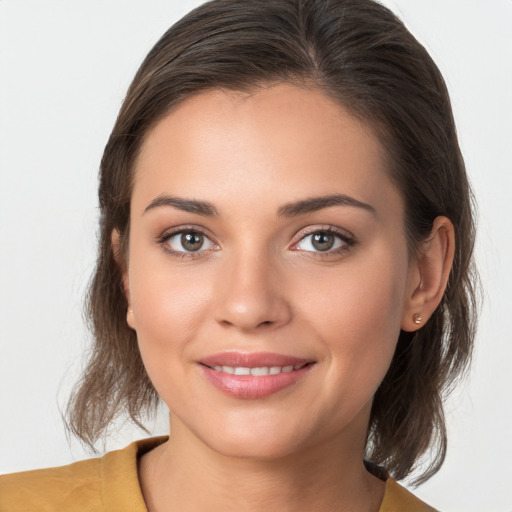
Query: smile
x=253 y=376
x=258 y=371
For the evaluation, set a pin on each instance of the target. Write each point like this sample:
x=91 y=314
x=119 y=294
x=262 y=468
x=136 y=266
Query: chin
x=263 y=448
x=260 y=442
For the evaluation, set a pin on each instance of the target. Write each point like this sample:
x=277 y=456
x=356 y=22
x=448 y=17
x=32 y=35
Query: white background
x=64 y=68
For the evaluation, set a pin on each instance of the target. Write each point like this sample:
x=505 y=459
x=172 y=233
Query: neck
x=186 y=475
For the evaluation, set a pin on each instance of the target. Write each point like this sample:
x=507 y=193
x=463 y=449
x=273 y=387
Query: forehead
x=281 y=142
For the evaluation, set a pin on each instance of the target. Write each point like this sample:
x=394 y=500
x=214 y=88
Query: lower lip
x=251 y=387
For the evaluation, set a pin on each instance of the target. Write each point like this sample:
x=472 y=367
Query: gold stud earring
x=417 y=318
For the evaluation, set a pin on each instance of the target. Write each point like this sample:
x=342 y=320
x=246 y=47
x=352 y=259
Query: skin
x=259 y=285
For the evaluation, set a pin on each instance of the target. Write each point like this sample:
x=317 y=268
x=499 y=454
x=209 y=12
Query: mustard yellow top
x=110 y=484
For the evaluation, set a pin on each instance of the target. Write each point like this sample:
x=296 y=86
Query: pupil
x=323 y=241
x=192 y=241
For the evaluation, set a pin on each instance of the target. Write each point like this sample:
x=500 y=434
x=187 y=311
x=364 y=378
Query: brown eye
x=322 y=241
x=192 y=241
x=189 y=241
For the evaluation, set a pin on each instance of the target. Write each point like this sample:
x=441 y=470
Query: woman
x=285 y=260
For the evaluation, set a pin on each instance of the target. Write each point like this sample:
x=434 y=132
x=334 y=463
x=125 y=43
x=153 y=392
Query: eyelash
x=348 y=241
x=165 y=237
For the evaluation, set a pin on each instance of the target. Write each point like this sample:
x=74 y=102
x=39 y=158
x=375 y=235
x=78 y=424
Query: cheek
x=365 y=294
x=168 y=313
x=166 y=306
x=357 y=313
x=169 y=306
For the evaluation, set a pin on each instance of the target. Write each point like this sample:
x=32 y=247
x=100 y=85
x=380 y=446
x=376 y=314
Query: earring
x=417 y=318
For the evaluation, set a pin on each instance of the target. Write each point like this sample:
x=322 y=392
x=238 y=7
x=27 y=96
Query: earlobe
x=428 y=281
x=130 y=318
x=120 y=260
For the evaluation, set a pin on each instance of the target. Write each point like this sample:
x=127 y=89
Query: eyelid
x=347 y=238
x=177 y=230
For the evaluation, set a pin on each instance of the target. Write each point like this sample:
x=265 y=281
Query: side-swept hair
x=359 y=53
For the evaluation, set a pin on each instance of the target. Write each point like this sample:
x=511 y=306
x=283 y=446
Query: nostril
x=246 y=308
x=266 y=322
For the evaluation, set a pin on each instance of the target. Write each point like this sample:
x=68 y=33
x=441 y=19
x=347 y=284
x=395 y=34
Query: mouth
x=258 y=371
x=253 y=376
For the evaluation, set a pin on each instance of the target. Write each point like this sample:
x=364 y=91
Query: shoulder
x=52 y=488
x=105 y=483
x=399 y=499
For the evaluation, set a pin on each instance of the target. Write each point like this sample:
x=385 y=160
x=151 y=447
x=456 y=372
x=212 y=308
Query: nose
x=251 y=295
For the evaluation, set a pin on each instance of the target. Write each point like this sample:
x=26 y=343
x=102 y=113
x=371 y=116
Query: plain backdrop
x=64 y=68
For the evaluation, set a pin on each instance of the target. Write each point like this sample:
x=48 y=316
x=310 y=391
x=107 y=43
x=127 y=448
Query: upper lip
x=252 y=360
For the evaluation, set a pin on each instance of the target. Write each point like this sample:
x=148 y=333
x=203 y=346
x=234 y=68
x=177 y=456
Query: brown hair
x=359 y=53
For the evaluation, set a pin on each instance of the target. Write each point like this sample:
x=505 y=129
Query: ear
x=428 y=275
x=121 y=263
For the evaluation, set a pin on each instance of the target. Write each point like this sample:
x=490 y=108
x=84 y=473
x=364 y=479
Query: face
x=268 y=270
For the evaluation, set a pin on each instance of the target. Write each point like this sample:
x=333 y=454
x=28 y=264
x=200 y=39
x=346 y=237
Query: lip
x=251 y=387
x=252 y=360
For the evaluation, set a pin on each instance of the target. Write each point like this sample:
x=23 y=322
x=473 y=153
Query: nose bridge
x=250 y=293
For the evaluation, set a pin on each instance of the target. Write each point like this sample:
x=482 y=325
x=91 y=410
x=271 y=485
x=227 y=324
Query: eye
x=324 y=241
x=188 y=241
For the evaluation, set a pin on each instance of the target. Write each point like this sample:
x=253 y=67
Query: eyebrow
x=294 y=209
x=187 y=205
x=314 y=204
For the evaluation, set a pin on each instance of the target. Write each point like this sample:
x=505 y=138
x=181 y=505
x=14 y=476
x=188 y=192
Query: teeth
x=258 y=371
